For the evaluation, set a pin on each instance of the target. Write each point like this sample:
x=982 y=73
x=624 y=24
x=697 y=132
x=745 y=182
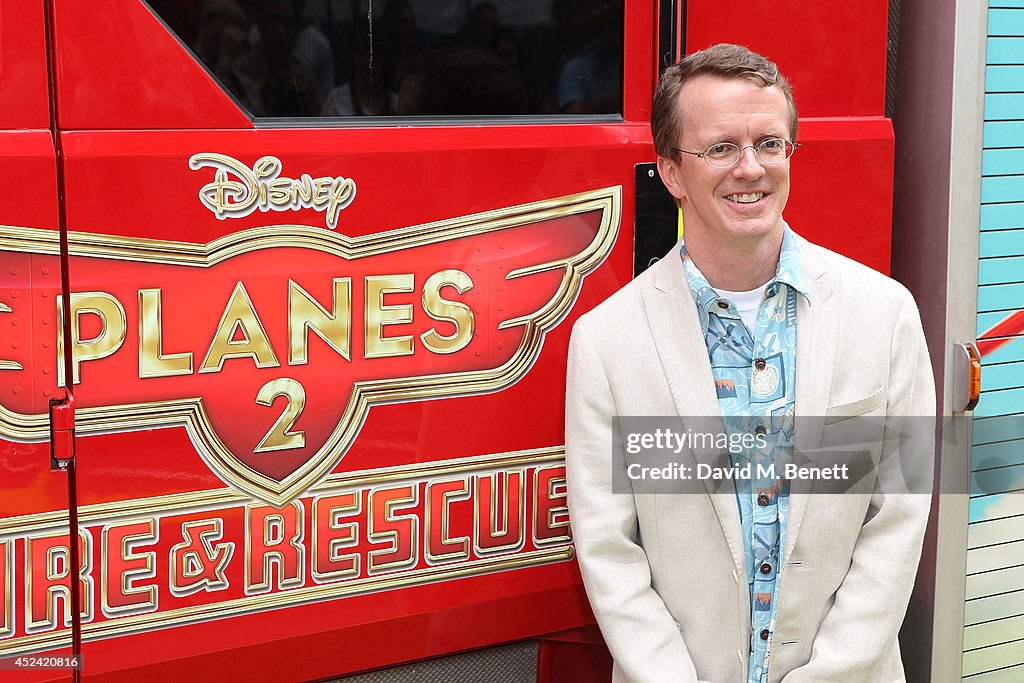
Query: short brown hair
x=725 y=60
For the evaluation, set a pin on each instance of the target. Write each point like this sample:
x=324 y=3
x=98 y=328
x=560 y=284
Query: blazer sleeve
x=856 y=642
x=642 y=636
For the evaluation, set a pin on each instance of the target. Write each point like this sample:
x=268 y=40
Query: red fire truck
x=308 y=272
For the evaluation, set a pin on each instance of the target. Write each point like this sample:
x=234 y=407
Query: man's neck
x=735 y=266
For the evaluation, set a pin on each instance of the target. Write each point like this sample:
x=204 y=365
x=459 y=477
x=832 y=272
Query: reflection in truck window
x=340 y=58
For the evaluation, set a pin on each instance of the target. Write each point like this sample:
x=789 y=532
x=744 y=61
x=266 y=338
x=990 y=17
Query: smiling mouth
x=745 y=198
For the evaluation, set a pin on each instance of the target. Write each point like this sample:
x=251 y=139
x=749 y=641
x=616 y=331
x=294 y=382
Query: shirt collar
x=789 y=271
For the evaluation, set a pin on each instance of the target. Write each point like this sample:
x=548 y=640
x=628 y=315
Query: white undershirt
x=746 y=304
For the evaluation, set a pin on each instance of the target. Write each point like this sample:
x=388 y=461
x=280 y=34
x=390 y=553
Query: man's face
x=744 y=202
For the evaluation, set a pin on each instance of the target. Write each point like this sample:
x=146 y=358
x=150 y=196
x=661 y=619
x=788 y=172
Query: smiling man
x=764 y=580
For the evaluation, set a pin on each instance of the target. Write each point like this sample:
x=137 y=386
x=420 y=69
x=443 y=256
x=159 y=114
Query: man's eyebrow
x=715 y=139
x=728 y=137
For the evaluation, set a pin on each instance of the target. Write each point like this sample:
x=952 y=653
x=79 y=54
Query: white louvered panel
x=993 y=633
x=996 y=582
x=1009 y=506
x=995 y=607
x=987 y=533
x=994 y=557
x=1010 y=675
x=995 y=657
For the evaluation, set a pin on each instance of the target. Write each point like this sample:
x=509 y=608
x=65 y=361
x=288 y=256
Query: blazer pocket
x=844 y=411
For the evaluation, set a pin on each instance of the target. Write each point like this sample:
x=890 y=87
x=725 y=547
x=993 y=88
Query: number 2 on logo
x=280 y=437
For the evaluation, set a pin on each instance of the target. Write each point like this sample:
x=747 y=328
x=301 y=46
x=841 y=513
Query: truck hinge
x=62 y=432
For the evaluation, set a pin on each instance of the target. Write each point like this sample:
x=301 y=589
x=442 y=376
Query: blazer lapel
x=817 y=339
x=675 y=327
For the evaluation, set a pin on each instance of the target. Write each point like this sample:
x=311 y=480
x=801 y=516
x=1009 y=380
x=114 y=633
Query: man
x=763 y=580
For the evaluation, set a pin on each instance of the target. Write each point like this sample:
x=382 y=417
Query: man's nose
x=749 y=167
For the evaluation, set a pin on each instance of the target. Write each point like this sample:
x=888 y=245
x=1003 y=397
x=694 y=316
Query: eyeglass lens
x=770 y=151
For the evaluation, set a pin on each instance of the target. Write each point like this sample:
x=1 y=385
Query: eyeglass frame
x=703 y=155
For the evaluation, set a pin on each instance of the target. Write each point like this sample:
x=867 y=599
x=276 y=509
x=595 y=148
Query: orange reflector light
x=974 y=376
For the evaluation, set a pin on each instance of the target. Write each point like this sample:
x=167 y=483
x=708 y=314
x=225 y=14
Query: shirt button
x=764 y=634
x=760 y=430
x=766 y=568
x=762 y=499
x=723 y=304
x=760 y=364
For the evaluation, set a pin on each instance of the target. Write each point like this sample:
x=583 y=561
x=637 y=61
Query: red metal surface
x=1006 y=330
x=837 y=156
x=146 y=76
x=638 y=78
x=832 y=52
x=576 y=662
x=24 y=102
x=147 y=493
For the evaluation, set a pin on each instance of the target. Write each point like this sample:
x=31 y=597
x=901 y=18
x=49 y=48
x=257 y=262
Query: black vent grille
x=516 y=663
x=891 y=55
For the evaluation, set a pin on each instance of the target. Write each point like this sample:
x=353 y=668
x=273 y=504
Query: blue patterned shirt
x=755 y=379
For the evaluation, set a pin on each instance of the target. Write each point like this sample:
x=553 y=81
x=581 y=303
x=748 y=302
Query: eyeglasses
x=727 y=155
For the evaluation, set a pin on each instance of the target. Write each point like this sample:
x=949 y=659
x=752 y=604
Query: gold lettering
x=265 y=167
x=331 y=536
x=152 y=361
x=113 y=326
x=279 y=191
x=456 y=312
x=8 y=364
x=321 y=191
x=122 y=567
x=302 y=192
x=239 y=315
x=6 y=588
x=305 y=313
x=378 y=315
x=343 y=191
x=224 y=196
x=281 y=437
x=261 y=188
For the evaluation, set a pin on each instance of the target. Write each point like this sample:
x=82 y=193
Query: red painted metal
x=833 y=53
x=149 y=80
x=1006 y=330
x=134 y=108
x=24 y=101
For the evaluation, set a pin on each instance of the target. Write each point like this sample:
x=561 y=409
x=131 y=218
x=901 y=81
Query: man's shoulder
x=857 y=282
x=619 y=312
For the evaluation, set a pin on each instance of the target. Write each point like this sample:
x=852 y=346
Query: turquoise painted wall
x=994 y=609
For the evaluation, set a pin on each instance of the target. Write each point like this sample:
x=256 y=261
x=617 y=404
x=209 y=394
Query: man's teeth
x=745 y=198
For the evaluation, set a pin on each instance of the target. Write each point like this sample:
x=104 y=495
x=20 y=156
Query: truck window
x=407 y=58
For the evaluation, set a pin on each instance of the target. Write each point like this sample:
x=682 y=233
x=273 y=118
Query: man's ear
x=671 y=176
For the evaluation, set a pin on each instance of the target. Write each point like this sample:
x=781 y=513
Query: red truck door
x=324 y=258
x=35 y=555
x=319 y=360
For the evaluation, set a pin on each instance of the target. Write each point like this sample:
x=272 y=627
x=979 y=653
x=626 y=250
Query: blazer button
x=760 y=430
x=764 y=634
x=766 y=568
x=723 y=304
x=760 y=364
x=762 y=499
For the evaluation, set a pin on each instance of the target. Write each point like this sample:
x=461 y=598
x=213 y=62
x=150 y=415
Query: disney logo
x=238 y=190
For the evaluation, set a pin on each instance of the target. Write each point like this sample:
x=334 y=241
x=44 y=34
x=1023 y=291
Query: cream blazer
x=664 y=573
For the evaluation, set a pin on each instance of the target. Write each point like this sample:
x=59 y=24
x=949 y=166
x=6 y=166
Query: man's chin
x=756 y=229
